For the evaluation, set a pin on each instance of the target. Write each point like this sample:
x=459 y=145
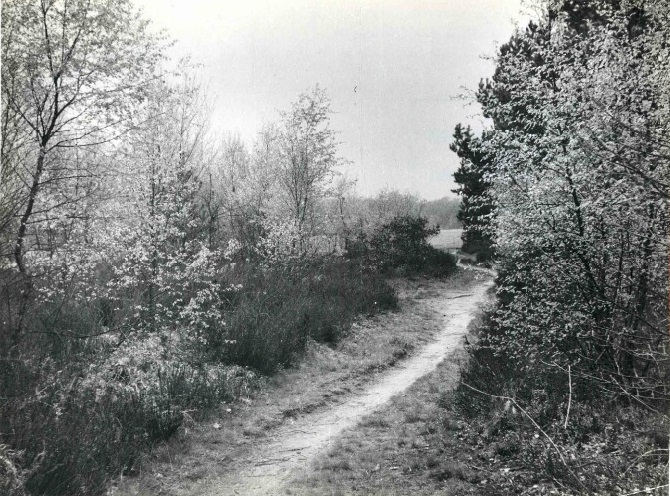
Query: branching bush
x=556 y=426
x=578 y=178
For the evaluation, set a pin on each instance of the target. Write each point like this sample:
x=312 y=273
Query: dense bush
x=75 y=421
x=401 y=245
x=277 y=309
x=79 y=429
x=590 y=441
x=576 y=351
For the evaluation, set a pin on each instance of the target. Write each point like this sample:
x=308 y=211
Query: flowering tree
x=162 y=256
x=308 y=158
x=72 y=74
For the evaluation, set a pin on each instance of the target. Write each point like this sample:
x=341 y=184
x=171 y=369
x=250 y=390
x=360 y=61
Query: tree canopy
x=73 y=74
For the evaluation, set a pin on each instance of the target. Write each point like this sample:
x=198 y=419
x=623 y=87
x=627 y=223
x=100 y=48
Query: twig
x=271 y=461
x=294 y=449
x=551 y=441
x=634 y=462
x=645 y=490
x=459 y=296
x=567 y=413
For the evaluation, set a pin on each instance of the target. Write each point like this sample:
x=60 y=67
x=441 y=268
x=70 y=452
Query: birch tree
x=308 y=157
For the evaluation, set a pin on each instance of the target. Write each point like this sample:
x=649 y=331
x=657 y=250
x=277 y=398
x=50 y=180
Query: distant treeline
x=387 y=204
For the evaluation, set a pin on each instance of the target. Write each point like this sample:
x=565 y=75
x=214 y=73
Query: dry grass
x=321 y=378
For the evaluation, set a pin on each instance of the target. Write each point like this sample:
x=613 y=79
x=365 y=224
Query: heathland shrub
x=77 y=427
x=95 y=383
x=401 y=246
x=278 y=308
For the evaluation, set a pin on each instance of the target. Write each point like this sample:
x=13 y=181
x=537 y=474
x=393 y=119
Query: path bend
x=293 y=446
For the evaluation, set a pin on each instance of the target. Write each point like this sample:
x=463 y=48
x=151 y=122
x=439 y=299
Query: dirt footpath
x=293 y=447
x=238 y=459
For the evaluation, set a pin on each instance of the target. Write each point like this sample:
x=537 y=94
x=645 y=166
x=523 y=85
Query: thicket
x=275 y=312
x=569 y=379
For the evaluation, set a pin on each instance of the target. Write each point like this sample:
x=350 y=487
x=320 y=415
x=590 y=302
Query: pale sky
x=392 y=68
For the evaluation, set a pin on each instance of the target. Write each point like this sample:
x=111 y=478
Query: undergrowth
x=543 y=430
x=270 y=319
x=101 y=375
x=77 y=411
x=400 y=248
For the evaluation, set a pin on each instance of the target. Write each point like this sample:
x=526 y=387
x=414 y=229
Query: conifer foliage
x=475 y=209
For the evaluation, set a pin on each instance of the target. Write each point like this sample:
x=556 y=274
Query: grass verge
x=411 y=446
x=425 y=443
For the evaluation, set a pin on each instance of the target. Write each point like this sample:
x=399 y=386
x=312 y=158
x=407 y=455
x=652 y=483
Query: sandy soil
x=270 y=461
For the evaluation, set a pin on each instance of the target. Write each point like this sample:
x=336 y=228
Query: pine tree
x=475 y=209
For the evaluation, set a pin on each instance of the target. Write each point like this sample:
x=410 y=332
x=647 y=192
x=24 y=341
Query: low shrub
x=82 y=427
x=277 y=309
x=76 y=411
x=599 y=443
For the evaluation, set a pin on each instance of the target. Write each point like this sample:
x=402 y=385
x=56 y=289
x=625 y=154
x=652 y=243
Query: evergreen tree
x=475 y=209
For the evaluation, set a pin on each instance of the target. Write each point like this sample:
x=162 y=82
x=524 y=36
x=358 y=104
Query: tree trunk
x=19 y=254
x=20 y=237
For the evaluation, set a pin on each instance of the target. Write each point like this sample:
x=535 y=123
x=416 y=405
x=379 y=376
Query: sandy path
x=292 y=447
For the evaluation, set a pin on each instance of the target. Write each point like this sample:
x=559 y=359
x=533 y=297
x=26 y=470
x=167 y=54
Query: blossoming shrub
x=111 y=364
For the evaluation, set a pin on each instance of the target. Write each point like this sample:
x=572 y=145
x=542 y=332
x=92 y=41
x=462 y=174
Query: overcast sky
x=392 y=68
